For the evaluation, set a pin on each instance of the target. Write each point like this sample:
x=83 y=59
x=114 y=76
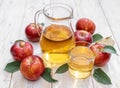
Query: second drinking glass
x=81 y=60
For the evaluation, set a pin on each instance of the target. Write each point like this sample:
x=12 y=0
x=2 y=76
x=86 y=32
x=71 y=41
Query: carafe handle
x=36 y=17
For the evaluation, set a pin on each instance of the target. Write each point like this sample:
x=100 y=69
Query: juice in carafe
x=55 y=43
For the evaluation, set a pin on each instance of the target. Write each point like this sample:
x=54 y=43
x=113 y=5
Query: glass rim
x=61 y=5
x=88 y=46
x=79 y=43
x=82 y=43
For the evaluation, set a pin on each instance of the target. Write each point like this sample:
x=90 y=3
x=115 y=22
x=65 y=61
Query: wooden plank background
x=16 y=14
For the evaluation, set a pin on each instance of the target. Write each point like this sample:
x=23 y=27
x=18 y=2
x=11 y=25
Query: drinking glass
x=81 y=61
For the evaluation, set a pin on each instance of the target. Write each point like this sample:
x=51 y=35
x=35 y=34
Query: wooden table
x=16 y=14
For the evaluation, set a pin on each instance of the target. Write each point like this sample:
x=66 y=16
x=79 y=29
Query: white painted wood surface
x=16 y=14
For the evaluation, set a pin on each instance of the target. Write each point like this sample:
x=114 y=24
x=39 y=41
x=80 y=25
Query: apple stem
x=42 y=24
x=30 y=61
x=22 y=44
x=100 y=49
x=108 y=37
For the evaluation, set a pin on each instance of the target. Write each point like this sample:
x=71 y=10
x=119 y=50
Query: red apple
x=82 y=35
x=33 y=32
x=101 y=58
x=21 y=49
x=32 y=67
x=85 y=24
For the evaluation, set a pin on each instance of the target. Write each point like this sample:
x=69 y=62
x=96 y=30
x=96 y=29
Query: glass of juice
x=81 y=61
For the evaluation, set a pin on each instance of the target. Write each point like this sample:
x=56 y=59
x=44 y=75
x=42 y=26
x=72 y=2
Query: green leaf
x=47 y=75
x=42 y=24
x=97 y=37
x=109 y=49
x=19 y=41
x=63 y=68
x=107 y=41
x=12 y=66
x=100 y=76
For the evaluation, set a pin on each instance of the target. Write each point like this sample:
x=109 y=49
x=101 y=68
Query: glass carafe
x=57 y=34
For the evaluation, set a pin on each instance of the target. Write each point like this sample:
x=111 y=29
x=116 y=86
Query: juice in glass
x=81 y=61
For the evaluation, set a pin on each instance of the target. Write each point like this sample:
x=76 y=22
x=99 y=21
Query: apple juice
x=56 y=41
x=81 y=62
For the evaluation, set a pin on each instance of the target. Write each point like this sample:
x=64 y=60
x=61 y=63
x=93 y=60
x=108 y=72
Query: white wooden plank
x=16 y=14
x=92 y=10
x=1 y=2
x=67 y=81
x=9 y=30
x=112 y=13
x=18 y=81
